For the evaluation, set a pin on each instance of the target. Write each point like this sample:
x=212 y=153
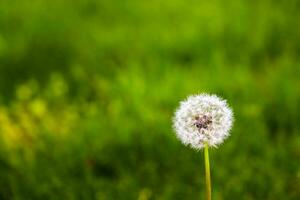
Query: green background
x=88 y=90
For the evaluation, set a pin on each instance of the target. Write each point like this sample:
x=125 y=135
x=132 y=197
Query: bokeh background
x=88 y=89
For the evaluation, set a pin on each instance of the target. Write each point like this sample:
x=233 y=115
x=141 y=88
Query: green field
x=88 y=90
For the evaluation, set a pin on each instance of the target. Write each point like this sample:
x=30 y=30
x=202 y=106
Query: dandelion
x=203 y=121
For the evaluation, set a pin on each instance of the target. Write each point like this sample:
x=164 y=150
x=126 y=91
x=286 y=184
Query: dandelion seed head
x=203 y=119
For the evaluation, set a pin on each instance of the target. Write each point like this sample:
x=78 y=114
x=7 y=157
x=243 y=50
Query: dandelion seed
x=203 y=119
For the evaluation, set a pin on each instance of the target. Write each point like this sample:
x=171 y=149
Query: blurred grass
x=88 y=90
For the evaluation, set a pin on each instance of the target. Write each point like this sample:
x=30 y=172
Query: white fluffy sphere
x=203 y=120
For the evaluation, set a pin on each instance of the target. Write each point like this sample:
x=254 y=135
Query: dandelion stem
x=207 y=173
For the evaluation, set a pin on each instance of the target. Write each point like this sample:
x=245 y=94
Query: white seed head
x=203 y=119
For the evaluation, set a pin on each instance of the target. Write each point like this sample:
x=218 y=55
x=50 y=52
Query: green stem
x=207 y=173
